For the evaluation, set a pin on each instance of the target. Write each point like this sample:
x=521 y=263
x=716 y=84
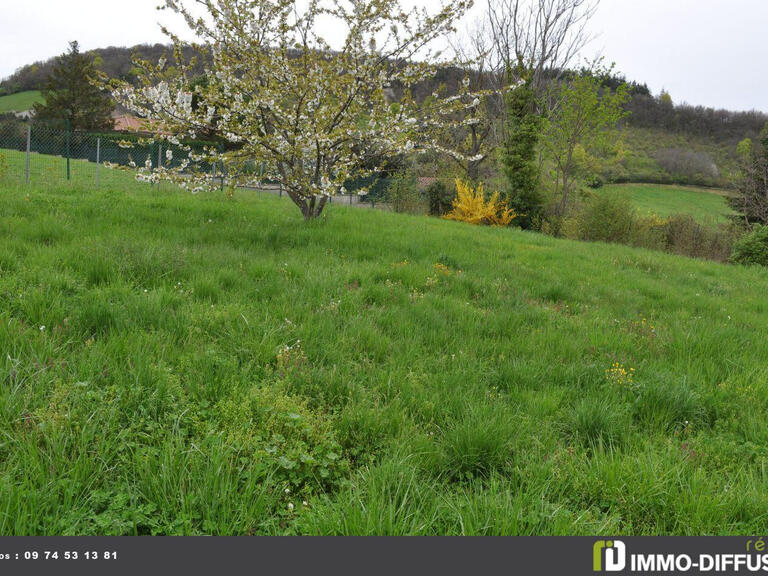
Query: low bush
x=607 y=218
x=471 y=206
x=688 y=237
x=649 y=231
x=752 y=248
x=611 y=218
x=440 y=196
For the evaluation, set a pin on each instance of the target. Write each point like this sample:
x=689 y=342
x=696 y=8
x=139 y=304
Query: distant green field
x=20 y=101
x=704 y=204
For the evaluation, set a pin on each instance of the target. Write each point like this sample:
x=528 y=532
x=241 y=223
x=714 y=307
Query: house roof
x=427 y=181
x=129 y=123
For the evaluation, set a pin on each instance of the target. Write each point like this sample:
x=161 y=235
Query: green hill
x=673 y=157
x=190 y=364
x=20 y=101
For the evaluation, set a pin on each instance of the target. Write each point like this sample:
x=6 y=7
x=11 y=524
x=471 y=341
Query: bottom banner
x=379 y=555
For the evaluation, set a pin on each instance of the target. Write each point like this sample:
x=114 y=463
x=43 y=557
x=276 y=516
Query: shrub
x=594 y=181
x=687 y=163
x=611 y=218
x=471 y=206
x=440 y=197
x=607 y=218
x=404 y=195
x=688 y=237
x=752 y=248
x=569 y=227
x=650 y=231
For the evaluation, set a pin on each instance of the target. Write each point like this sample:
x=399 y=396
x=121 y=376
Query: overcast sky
x=708 y=52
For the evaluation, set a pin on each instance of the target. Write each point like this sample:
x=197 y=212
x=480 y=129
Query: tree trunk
x=472 y=172
x=311 y=207
x=472 y=167
x=564 y=200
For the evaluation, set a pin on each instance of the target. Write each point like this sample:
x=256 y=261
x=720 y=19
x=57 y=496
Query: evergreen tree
x=70 y=95
x=519 y=156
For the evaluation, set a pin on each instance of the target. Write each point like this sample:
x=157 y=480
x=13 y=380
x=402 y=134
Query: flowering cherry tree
x=308 y=114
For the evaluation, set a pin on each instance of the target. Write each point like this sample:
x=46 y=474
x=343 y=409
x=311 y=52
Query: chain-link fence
x=36 y=152
x=51 y=153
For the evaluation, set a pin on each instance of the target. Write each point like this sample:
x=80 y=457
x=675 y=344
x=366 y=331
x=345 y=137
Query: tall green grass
x=178 y=364
x=46 y=170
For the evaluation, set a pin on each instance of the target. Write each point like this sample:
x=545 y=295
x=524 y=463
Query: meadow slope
x=177 y=364
x=20 y=101
x=707 y=205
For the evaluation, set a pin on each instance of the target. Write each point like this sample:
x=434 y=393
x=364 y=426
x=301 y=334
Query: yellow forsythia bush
x=471 y=206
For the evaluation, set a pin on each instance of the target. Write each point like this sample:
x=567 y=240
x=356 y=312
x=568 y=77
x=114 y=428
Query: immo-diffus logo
x=609 y=556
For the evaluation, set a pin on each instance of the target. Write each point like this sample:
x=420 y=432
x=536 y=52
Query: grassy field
x=20 y=101
x=46 y=170
x=177 y=364
x=705 y=204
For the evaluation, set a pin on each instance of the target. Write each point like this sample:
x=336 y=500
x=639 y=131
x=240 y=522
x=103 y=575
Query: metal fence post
x=98 y=159
x=69 y=174
x=222 y=168
x=29 y=148
x=159 y=161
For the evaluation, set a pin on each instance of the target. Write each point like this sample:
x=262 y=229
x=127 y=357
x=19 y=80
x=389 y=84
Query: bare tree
x=752 y=199
x=516 y=40
x=530 y=37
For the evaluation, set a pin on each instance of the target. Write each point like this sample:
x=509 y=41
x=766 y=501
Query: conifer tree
x=70 y=95
x=520 y=155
